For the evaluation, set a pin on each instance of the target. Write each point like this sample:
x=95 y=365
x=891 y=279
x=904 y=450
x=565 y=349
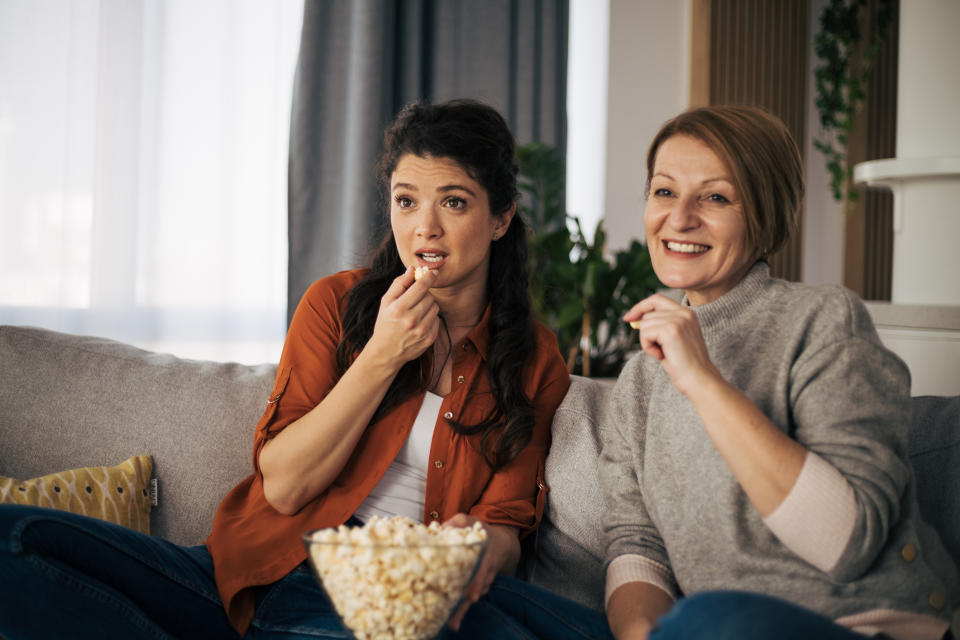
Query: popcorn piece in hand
x=394 y=578
x=635 y=324
x=419 y=272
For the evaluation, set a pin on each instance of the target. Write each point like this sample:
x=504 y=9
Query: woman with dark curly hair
x=421 y=386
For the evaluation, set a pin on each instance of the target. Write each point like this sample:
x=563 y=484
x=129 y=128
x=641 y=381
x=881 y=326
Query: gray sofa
x=70 y=401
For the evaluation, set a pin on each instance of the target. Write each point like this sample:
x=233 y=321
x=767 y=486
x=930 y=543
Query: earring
x=496 y=236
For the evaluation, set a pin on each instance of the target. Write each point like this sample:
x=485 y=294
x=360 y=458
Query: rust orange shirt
x=252 y=544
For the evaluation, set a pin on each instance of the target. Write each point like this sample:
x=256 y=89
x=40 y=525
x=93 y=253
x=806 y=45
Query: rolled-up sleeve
x=851 y=408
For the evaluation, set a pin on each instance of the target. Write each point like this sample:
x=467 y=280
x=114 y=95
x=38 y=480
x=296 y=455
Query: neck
x=461 y=308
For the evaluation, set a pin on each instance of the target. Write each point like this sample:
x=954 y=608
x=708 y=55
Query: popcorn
x=635 y=324
x=395 y=579
x=419 y=272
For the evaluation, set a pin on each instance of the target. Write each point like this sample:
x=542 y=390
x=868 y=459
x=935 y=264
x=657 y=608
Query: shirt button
x=434 y=515
x=448 y=415
x=438 y=464
x=460 y=379
x=908 y=552
x=938 y=600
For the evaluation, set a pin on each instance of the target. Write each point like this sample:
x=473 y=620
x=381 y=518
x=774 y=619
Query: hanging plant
x=842 y=79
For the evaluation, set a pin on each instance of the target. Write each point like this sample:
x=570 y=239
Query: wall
x=648 y=83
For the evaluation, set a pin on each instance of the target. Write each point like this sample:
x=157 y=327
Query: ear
x=501 y=221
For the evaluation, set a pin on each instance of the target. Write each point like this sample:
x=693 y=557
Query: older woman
x=754 y=455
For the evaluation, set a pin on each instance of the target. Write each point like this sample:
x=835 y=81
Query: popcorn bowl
x=395 y=579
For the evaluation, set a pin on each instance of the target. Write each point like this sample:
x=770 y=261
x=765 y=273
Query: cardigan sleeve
x=629 y=530
x=850 y=400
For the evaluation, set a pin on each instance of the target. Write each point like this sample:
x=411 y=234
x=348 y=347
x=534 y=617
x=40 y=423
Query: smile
x=431 y=257
x=686 y=247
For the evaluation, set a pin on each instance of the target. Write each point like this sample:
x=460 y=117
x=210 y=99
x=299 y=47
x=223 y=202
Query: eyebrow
x=443 y=189
x=670 y=177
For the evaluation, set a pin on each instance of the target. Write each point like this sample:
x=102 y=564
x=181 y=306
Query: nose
x=428 y=223
x=684 y=215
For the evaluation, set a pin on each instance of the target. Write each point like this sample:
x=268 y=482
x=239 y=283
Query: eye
x=454 y=202
x=663 y=192
x=717 y=197
x=403 y=201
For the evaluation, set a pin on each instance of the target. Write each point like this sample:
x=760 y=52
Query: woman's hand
x=502 y=556
x=670 y=333
x=408 y=321
x=765 y=461
x=303 y=459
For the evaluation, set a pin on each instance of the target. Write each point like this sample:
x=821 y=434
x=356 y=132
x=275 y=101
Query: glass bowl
x=395 y=587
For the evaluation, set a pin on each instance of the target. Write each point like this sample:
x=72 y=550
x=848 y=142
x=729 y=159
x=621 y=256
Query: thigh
x=733 y=615
x=296 y=606
x=115 y=574
x=545 y=614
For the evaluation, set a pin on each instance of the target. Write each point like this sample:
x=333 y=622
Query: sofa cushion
x=935 y=455
x=73 y=401
x=119 y=494
x=568 y=548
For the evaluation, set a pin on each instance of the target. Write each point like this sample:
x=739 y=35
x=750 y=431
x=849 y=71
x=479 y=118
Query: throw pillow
x=119 y=494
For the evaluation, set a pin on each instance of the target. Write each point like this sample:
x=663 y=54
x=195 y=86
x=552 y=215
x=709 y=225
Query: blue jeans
x=735 y=615
x=69 y=576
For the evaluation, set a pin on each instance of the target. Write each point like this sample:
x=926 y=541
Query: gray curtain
x=360 y=61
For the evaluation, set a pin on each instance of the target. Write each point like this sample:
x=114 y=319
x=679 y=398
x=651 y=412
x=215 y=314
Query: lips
x=431 y=259
x=691 y=248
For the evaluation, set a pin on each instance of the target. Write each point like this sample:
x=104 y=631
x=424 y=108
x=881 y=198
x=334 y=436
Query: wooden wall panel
x=868 y=261
x=758 y=56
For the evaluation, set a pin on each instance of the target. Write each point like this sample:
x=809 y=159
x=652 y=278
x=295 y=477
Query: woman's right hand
x=305 y=457
x=408 y=321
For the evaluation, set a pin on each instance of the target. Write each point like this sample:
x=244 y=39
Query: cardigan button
x=460 y=379
x=448 y=415
x=908 y=552
x=438 y=464
x=434 y=515
x=938 y=600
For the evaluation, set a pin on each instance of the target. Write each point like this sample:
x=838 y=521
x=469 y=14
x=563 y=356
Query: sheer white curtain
x=143 y=162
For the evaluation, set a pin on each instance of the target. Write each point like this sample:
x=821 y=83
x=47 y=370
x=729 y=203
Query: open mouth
x=430 y=259
x=685 y=247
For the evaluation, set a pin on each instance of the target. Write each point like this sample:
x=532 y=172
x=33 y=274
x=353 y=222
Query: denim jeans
x=735 y=615
x=69 y=576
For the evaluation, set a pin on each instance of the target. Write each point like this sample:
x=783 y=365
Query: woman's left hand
x=502 y=555
x=670 y=333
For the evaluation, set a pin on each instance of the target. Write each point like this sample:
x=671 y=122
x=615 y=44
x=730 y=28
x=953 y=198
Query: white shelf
x=883 y=172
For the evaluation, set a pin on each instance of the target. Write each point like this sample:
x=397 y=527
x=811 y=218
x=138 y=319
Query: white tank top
x=403 y=488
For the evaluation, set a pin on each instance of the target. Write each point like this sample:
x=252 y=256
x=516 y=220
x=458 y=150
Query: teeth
x=431 y=257
x=683 y=247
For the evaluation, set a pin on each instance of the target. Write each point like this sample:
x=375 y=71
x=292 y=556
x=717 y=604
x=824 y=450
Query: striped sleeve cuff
x=637 y=568
x=818 y=516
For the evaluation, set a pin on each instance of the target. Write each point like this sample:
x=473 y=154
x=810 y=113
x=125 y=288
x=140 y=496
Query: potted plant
x=579 y=291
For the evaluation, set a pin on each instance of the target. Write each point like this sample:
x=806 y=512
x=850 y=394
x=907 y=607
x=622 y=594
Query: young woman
x=754 y=456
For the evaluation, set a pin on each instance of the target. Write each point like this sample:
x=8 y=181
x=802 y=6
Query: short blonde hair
x=763 y=160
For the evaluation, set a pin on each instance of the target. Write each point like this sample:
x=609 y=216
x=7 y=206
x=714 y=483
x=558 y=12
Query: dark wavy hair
x=478 y=139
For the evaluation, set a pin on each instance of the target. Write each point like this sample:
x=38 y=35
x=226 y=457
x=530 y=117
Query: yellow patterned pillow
x=119 y=494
